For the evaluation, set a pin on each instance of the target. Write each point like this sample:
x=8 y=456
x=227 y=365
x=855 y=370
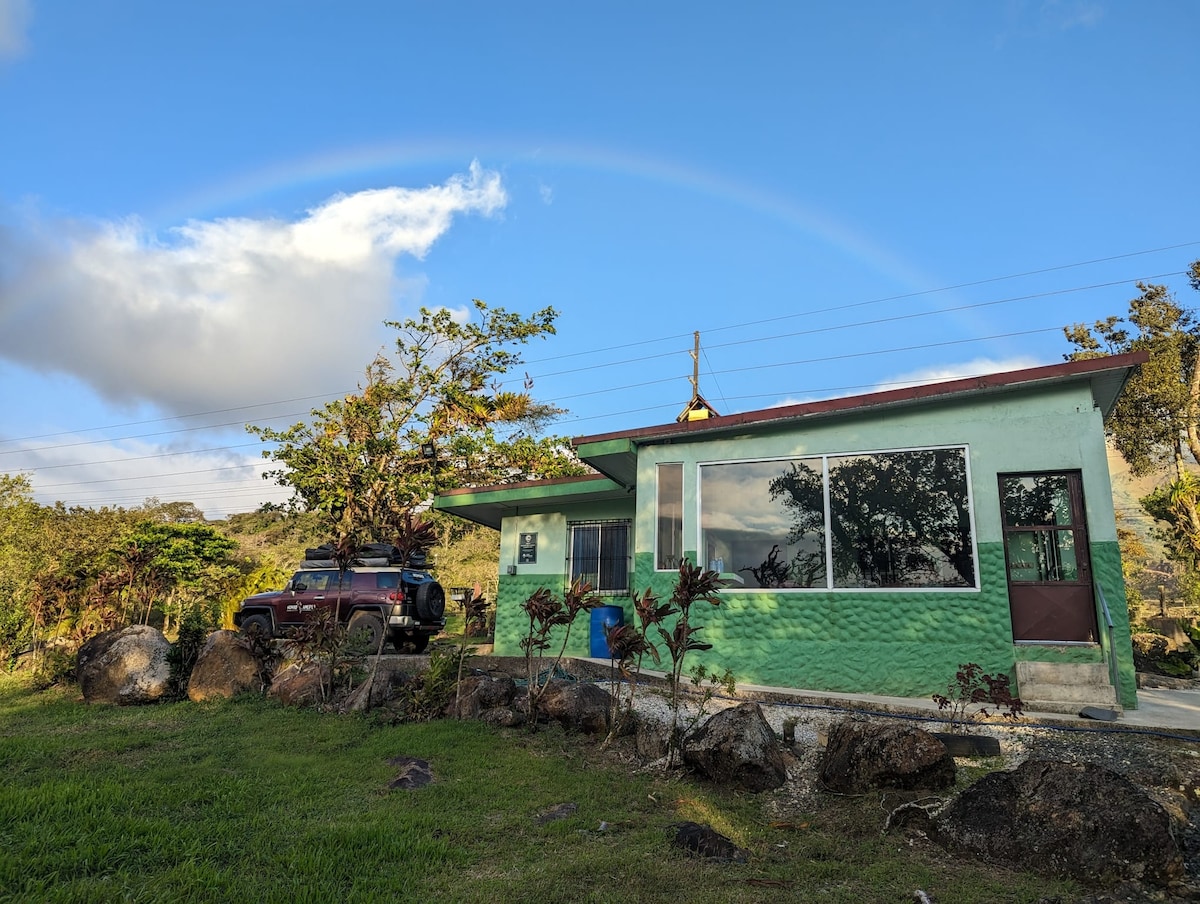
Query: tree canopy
x=1155 y=424
x=429 y=417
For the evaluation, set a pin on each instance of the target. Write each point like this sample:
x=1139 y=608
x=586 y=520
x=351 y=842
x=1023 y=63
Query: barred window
x=599 y=554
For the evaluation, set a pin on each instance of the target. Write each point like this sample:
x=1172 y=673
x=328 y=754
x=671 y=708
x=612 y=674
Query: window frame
x=658 y=516
x=626 y=526
x=824 y=458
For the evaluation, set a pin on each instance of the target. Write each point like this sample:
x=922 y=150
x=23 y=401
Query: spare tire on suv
x=431 y=600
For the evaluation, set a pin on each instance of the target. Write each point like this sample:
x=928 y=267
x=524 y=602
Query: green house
x=869 y=544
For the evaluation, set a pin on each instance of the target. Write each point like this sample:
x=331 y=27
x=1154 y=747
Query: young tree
x=428 y=418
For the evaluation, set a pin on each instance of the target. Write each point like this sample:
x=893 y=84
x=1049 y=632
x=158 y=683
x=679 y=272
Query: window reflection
x=896 y=519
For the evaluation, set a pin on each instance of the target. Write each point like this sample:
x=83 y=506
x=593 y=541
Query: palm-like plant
x=545 y=614
x=695 y=584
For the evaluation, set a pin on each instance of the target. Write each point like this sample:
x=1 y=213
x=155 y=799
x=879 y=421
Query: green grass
x=248 y=801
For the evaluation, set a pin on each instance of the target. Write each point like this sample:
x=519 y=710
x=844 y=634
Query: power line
x=159 y=420
x=603 y=391
x=626 y=411
x=858 y=304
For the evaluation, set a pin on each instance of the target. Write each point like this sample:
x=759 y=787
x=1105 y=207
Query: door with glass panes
x=1046 y=554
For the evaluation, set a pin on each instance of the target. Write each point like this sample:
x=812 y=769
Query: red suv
x=402 y=602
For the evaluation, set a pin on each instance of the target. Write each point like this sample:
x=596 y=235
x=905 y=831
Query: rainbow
x=331 y=170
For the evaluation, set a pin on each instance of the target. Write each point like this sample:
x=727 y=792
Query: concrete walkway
x=1159 y=710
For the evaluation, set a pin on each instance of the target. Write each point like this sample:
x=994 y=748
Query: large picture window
x=599 y=554
x=879 y=520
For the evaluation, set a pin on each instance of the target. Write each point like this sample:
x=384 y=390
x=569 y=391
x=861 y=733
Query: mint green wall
x=904 y=643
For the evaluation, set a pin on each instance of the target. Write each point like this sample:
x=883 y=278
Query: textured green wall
x=904 y=644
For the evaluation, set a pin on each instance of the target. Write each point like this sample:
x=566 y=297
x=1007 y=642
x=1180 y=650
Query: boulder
x=862 y=755
x=705 y=841
x=577 y=706
x=502 y=717
x=125 y=666
x=412 y=773
x=1162 y=655
x=652 y=736
x=1064 y=819
x=300 y=684
x=225 y=667
x=478 y=694
x=737 y=747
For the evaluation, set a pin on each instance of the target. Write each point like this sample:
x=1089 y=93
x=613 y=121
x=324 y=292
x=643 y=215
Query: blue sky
x=208 y=209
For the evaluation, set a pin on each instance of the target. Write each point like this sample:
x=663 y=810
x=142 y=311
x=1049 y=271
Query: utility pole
x=696 y=365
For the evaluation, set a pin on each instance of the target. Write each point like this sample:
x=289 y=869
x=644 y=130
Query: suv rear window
x=387 y=580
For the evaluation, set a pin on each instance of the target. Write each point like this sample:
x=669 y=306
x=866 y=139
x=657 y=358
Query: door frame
x=1052 y=611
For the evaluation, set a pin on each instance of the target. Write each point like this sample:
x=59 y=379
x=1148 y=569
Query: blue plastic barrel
x=604 y=618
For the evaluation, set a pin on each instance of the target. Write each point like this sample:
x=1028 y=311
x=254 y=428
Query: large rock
x=738 y=748
x=652 y=735
x=862 y=755
x=125 y=666
x=300 y=684
x=478 y=694
x=577 y=706
x=707 y=842
x=1064 y=819
x=225 y=667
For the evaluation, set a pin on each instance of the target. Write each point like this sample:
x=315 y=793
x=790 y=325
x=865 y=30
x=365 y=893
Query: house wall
x=550 y=572
x=896 y=642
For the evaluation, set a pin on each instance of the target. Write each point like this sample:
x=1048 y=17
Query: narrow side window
x=669 y=536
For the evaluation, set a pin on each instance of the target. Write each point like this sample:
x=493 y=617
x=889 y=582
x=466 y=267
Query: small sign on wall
x=527 y=549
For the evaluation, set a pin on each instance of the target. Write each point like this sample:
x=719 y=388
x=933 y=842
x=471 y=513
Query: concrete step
x=1065 y=687
x=1081 y=673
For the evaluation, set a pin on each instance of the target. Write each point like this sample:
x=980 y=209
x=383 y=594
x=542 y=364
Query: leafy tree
x=360 y=459
x=1155 y=424
x=177 y=565
x=1157 y=417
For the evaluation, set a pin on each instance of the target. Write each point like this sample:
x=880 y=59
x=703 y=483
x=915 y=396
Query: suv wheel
x=257 y=623
x=366 y=628
x=431 y=601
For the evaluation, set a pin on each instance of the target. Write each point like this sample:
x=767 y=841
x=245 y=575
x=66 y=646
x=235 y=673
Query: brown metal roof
x=1107 y=375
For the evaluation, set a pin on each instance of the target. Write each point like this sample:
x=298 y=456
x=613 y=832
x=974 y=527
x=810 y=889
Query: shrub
x=970 y=694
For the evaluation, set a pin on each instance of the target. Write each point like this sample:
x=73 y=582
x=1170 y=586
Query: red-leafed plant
x=545 y=614
x=974 y=694
x=695 y=584
x=628 y=646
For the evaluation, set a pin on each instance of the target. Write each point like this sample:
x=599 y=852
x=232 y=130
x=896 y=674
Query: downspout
x=1114 y=670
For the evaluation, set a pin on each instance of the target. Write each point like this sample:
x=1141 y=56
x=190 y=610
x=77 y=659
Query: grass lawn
x=247 y=801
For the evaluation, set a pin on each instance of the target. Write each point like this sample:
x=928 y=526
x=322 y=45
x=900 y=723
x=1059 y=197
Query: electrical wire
x=712 y=371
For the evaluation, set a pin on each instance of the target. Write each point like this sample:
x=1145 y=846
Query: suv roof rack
x=368 y=554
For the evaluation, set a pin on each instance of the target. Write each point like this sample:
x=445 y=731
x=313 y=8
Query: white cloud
x=1067 y=14
x=15 y=16
x=941 y=372
x=223 y=312
x=1045 y=20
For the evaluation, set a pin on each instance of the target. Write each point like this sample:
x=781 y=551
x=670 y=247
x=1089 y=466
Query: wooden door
x=1046 y=554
